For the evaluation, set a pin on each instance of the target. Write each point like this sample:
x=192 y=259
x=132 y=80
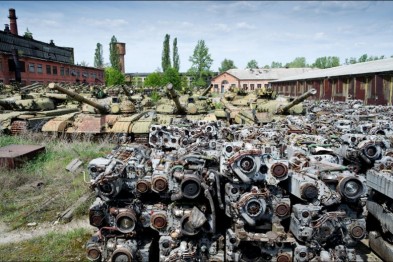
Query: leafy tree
x=176 y=59
x=154 y=80
x=349 y=61
x=98 y=56
x=252 y=64
x=266 y=67
x=201 y=62
x=114 y=54
x=276 y=64
x=298 y=62
x=226 y=64
x=113 y=77
x=363 y=58
x=326 y=62
x=166 y=58
x=171 y=75
x=28 y=34
x=84 y=63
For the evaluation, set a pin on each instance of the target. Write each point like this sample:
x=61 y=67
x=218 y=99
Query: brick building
x=371 y=82
x=251 y=79
x=25 y=60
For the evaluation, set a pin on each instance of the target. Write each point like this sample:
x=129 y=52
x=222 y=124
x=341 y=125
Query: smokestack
x=121 y=50
x=13 y=25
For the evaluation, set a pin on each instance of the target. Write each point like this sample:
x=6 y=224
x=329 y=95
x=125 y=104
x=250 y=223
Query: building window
x=259 y=86
x=245 y=86
x=39 y=68
x=54 y=70
x=78 y=74
x=31 y=68
x=252 y=86
x=61 y=71
x=48 y=69
x=1 y=64
x=67 y=71
x=216 y=88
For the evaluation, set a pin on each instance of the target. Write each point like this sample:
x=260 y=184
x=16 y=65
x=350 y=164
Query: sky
x=265 y=31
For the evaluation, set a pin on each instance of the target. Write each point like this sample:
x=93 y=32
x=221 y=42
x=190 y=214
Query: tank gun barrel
x=128 y=94
x=102 y=109
x=30 y=87
x=175 y=97
x=297 y=100
x=206 y=91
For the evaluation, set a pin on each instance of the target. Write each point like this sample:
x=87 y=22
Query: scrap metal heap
x=300 y=189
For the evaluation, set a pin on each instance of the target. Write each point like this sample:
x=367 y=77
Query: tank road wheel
x=18 y=127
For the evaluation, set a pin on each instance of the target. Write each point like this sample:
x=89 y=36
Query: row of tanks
x=63 y=111
x=302 y=188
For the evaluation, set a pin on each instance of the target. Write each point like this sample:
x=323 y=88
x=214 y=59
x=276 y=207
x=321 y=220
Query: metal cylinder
x=298 y=100
x=79 y=98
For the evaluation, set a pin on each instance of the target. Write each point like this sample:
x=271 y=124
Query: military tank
x=267 y=107
x=31 y=110
x=118 y=116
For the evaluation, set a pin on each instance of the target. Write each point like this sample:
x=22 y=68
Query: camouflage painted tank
x=264 y=108
x=30 y=111
x=187 y=107
x=118 y=115
x=110 y=115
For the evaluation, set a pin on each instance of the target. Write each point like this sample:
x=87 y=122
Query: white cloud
x=107 y=22
x=244 y=25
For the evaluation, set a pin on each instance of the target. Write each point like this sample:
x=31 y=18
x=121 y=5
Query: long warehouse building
x=371 y=82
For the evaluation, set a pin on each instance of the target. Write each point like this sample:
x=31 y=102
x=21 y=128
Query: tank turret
x=102 y=109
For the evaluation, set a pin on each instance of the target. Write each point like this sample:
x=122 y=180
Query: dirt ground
x=30 y=232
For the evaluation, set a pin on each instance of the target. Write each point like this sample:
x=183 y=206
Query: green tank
x=264 y=108
x=115 y=115
x=31 y=110
x=97 y=116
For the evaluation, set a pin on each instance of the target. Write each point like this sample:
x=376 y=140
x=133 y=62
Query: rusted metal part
x=14 y=156
x=18 y=127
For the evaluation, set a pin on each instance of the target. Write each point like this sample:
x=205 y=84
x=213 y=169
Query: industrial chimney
x=121 y=51
x=13 y=25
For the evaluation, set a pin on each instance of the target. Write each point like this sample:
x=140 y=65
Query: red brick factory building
x=28 y=61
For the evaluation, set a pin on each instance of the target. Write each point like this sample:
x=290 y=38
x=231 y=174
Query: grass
x=22 y=200
x=52 y=247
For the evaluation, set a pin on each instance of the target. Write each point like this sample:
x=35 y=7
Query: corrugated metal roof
x=383 y=65
x=266 y=74
x=34 y=48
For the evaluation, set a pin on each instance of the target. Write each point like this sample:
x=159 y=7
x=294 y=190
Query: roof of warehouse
x=265 y=74
x=383 y=65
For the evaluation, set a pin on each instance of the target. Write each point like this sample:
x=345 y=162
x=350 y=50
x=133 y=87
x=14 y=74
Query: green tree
x=276 y=64
x=252 y=64
x=266 y=67
x=114 y=54
x=113 y=77
x=176 y=59
x=326 y=62
x=154 y=80
x=201 y=62
x=166 y=58
x=171 y=75
x=226 y=64
x=363 y=58
x=349 y=61
x=98 y=56
x=298 y=62
x=28 y=34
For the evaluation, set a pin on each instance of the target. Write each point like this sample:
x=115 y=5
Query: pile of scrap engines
x=209 y=192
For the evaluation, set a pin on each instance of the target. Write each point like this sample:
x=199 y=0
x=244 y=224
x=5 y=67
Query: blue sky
x=237 y=30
